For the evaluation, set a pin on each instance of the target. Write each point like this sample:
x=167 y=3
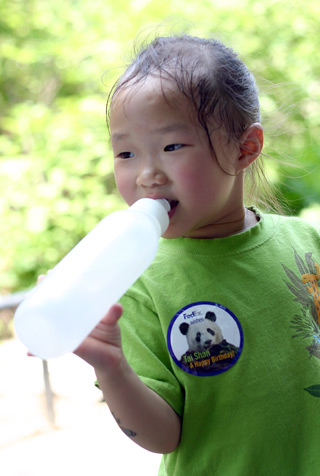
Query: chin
x=169 y=236
x=172 y=233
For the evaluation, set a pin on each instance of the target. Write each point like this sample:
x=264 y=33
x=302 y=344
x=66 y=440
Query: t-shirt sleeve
x=144 y=345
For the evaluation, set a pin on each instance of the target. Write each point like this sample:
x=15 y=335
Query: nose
x=151 y=174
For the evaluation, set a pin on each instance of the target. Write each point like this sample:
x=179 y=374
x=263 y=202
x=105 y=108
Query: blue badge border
x=198 y=373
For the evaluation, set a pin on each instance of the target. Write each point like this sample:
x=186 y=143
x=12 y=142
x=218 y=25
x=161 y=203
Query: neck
x=229 y=225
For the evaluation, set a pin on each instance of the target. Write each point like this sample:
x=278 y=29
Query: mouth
x=173 y=206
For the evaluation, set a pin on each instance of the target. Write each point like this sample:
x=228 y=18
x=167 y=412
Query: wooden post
x=49 y=394
x=11 y=302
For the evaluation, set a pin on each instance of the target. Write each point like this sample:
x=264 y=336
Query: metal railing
x=10 y=303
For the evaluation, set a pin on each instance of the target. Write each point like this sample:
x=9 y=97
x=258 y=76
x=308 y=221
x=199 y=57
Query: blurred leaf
x=56 y=174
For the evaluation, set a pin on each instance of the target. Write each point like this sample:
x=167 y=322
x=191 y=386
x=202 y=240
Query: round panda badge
x=205 y=338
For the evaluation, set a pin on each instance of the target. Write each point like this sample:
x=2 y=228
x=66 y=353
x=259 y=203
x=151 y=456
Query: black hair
x=210 y=75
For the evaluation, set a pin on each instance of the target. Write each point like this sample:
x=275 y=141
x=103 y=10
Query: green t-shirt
x=227 y=332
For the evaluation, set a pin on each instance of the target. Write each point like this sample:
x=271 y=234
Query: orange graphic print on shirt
x=305 y=287
x=313 y=289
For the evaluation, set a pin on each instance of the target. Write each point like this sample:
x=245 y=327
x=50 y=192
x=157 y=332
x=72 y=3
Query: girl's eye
x=172 y=147
x=125 y=155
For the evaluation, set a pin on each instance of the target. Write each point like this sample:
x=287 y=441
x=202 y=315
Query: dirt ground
x=84 y=439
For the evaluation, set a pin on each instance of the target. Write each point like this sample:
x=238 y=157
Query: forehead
x=153 y=98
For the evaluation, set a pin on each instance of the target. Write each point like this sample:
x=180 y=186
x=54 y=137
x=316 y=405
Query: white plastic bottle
x=68 y=303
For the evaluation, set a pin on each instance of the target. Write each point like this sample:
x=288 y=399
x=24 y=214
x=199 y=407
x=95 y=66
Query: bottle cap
x=157 y=209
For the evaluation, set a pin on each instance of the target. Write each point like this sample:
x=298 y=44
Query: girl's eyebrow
x=174 y=127
x=119 y=136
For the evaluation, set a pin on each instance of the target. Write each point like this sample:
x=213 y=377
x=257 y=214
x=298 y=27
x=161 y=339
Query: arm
x=141 y=413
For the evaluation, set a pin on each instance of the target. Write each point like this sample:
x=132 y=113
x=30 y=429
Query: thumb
x=113 y=314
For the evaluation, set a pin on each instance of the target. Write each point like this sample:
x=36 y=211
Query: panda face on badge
x=202 y=335
x=205 y=338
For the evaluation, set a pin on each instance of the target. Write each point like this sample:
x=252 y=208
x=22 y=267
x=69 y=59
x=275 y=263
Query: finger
x=113 y=315
x=40 y=278
x=106 y=329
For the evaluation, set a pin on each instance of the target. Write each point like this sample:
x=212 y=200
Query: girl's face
x=161 y=151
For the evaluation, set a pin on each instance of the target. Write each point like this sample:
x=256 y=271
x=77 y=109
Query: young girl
x=205 y=369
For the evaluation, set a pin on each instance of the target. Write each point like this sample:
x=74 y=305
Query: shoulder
x=293 y=232
x=296 y=225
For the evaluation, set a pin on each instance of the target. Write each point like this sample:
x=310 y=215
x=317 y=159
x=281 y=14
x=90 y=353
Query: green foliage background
x=56 y=177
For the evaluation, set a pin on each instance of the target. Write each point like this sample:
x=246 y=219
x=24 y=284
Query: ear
x=184 y=327
x=251 y=144
x=211 y=316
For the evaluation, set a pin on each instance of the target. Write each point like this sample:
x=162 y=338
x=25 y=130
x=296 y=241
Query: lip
x=173 y=203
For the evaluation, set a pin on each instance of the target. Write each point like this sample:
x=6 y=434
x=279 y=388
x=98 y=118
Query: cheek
x=196 y=182
x=189 y=177
x=124 y=182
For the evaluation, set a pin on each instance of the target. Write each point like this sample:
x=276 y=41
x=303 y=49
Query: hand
x=102 y=348
x=144 y=416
